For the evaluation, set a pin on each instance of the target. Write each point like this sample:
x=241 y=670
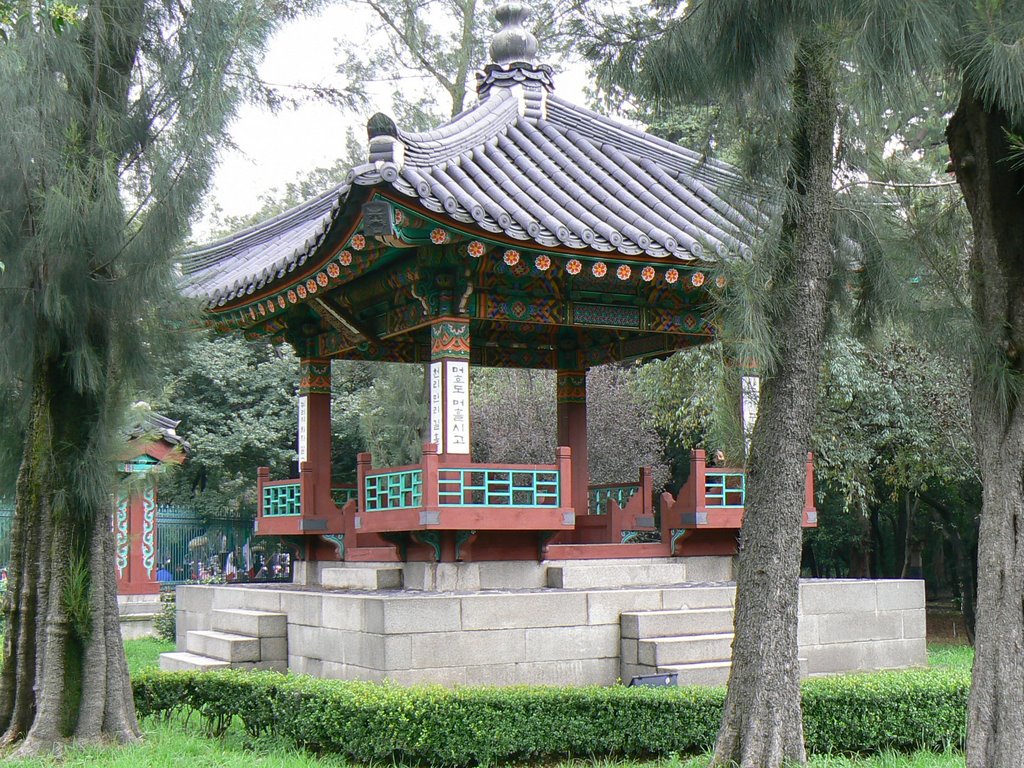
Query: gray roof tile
x=558 y=175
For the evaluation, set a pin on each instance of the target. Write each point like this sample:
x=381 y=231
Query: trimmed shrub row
x=369 y=722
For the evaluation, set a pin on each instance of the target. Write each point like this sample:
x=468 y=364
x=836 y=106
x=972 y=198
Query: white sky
x=275 y=148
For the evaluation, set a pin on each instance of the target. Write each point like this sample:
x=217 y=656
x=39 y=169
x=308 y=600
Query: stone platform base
x=566 y=627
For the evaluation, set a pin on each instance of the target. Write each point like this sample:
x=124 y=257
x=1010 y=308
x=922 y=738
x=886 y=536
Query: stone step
x=137 y=607
x=699 y=672
x=361 y=577
x=708 y=672
x=615 y=573
x=251 y=623
x=663 y=651
x=222 y=645
x=646 y=572
x=676 y=623
x=182 y=661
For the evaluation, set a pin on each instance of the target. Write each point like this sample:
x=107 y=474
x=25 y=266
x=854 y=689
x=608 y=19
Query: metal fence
x=188 y=546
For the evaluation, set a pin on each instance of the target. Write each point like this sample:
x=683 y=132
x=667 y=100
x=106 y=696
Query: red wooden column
x=135 y=531
x=572 y=432
x=315 y=436
x=448 y=386
x=135 y=516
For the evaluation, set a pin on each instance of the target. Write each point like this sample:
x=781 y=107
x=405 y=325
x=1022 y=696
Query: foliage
x=392 y=414
x=369 y=722
x=514 y=420
x=55 y=15
x=891 y=420
x=236 y=403
x=513 y=415
x=682 y=395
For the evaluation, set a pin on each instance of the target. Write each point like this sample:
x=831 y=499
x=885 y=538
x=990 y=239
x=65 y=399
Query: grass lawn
x=181 y=743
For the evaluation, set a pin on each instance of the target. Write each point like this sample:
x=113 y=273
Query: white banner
x=303 y=429
x=436 y=406
x=457 y=390
x=751 y=394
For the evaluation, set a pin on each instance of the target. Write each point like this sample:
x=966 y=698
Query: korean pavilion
x=526 y=232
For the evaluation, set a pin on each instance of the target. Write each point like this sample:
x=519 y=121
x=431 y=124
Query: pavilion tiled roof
x=524 y=165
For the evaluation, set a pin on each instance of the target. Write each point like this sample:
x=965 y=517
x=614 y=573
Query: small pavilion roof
x=522 y=166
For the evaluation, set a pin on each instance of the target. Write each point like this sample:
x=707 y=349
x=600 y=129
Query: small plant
x=165 y=622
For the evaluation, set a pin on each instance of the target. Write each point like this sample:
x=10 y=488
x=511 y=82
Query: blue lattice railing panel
x=393 y=490
x=497 y=487
x=725 y=489
x=600 y=495
x=282 y=499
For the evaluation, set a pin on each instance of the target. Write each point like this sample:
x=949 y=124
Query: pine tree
x=108 y=132
x=890 y=48
x=785 y=60
x=982 y=42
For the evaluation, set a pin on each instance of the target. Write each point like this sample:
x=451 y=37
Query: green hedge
x=370 y=722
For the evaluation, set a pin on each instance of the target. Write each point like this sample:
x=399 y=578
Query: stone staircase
x=691 y=638
x=693 y=643
x=238 y=639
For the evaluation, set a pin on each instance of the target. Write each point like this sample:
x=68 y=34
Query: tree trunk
x=992 y=191
x=762 y=721
x=64 y=673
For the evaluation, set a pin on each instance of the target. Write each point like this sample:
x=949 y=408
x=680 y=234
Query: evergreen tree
x=108 y=131
x=785 y=60
x=889 y=46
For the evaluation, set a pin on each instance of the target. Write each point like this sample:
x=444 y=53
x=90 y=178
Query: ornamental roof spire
x=513 y=50
x=513 y=43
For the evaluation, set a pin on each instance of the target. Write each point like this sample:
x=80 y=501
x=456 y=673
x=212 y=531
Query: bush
x=901 y=711
x=369 y=722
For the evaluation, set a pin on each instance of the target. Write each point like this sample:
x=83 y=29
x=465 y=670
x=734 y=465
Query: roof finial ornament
x=513 y=42
x=513 y=50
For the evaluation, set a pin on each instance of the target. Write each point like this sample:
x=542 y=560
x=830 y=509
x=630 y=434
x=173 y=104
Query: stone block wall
x=852 y=625
x=563 y=637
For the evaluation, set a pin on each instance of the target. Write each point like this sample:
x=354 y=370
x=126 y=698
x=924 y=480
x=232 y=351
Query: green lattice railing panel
x=343 y=494
x=600 y=495
x=394 y=490
x=725 y=489
x=282 y=500
x=469 y=487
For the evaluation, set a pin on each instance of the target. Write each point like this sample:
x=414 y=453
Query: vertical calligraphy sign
x=457 y=390
x=303 y=429
x=436 y=406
